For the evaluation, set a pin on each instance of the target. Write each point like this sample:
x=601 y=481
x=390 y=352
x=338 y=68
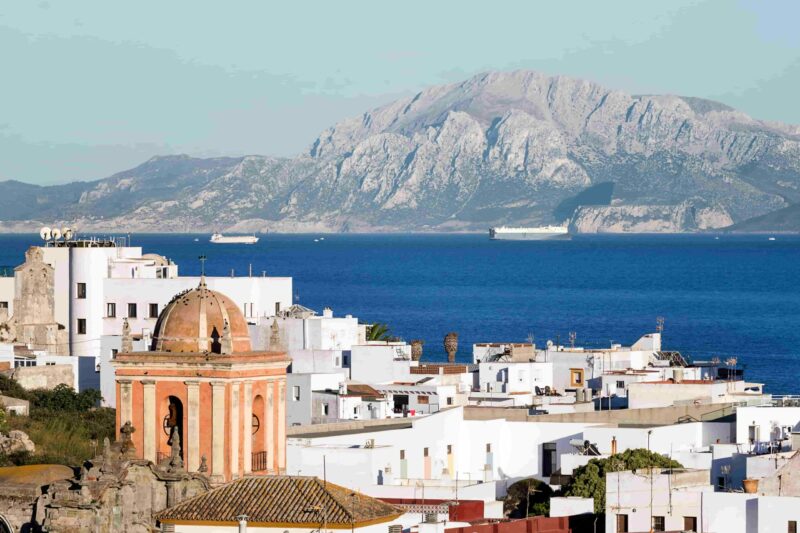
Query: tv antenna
x=660 y=324
x=202 y=259
x=572 y=337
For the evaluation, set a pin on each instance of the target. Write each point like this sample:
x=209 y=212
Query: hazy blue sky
x=89 y=88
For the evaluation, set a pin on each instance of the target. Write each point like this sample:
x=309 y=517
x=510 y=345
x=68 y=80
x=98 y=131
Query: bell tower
x=202 y=395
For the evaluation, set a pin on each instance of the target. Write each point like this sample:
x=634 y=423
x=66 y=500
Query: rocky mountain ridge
x=498 y=148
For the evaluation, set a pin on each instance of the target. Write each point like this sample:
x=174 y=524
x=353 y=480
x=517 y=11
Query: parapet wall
x=650 y=416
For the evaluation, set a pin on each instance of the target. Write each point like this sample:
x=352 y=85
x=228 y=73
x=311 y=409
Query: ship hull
x=234 y=240
x=528 y=236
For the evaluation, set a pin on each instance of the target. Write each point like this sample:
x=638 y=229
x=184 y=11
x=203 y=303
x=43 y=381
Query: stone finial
x=203 y=464
x=226 y=342
x=451 y=346
x=175 y=459
x=275 y=336
x=416 y=349
x=126 y=431
x=127 y=340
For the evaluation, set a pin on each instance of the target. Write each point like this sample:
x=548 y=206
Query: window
x=658 y=523
x=690 y=523
x=792 y=526
x=422 y=399
x=153 y=311
x=449 y=449
x=402 y=455
x=131 y=310
x=114 y=353
x=549 y=458
x=337 y=362
x=111 y=310
x=324 y=409
x=296 y=393
x=355 y=410
x=449 y=400
x=721 y=482
x=277 y=308
x=424 y=452
x=81 y=326
x=488 y=448
x=620 y=384
x=3 y=305
x=576 y=377
x=622 y=523
x=81 y=291
x=50 y=363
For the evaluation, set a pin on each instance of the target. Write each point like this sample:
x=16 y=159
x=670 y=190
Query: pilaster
x=247 y=409
x=193 y=426
x=235 y=425
x=218 y=429
x=149 y=420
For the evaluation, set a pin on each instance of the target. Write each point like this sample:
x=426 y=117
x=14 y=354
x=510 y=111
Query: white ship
x=219 y=238
x=533 y=234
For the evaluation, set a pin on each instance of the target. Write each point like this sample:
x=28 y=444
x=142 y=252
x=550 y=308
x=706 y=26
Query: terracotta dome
x=201 y=320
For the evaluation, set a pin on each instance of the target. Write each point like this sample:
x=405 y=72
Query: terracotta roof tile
x=281 y=500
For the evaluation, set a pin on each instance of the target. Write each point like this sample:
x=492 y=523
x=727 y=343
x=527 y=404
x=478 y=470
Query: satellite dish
x=67 y=233
x=46 y=233
x=56 y=234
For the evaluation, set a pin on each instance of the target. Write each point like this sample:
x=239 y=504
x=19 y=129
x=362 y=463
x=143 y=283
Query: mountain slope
x=497 y=148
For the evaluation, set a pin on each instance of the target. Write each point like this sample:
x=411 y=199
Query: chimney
x=327 y=313
x=613 y=445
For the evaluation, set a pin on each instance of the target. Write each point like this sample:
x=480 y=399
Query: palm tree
x=378 y=332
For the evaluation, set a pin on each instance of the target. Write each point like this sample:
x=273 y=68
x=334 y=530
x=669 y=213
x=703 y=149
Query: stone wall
x=44 y=376
x=33 y=322
x=113 y=492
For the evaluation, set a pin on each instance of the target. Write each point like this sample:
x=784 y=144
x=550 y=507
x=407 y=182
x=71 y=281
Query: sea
x=719 y=295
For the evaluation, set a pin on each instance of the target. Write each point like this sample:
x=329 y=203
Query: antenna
x=46 y=233
x=660 y=324
x=572 y=337
x=202 y=259
x=56 y=234
x=67 y=233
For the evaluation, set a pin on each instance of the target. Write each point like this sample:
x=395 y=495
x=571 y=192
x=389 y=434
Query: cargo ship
x=529 y=234
x=219 y=238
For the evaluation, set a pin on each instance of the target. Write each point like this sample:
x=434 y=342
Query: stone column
x=270 y=423
x=192 y=426
x=235 y=425
x=149 y=414
x=125 y=401
x=218 y=429
x=281 y=444
x=247 y=409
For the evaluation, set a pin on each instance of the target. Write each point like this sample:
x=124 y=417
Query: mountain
x=499 y=148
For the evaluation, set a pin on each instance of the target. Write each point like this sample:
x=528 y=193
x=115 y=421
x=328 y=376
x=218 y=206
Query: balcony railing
x=259 y=461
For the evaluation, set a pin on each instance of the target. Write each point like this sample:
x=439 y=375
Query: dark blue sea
x=731 y=296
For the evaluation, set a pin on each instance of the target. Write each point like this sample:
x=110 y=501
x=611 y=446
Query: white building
x=98 y=284
x=431 y=451
x=655 y=500
x=666 y=393
x=301 y=329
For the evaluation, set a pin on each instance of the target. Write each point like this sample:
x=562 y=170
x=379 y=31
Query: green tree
x=530 y=493
x=589 y=481
x=378 y=332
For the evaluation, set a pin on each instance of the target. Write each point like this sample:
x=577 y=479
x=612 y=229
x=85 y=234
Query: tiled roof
x=284 y=500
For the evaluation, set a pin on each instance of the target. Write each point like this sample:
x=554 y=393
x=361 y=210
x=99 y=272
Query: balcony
x=259 y=462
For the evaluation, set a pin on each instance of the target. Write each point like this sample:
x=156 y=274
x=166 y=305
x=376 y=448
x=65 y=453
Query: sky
x=90 y=88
